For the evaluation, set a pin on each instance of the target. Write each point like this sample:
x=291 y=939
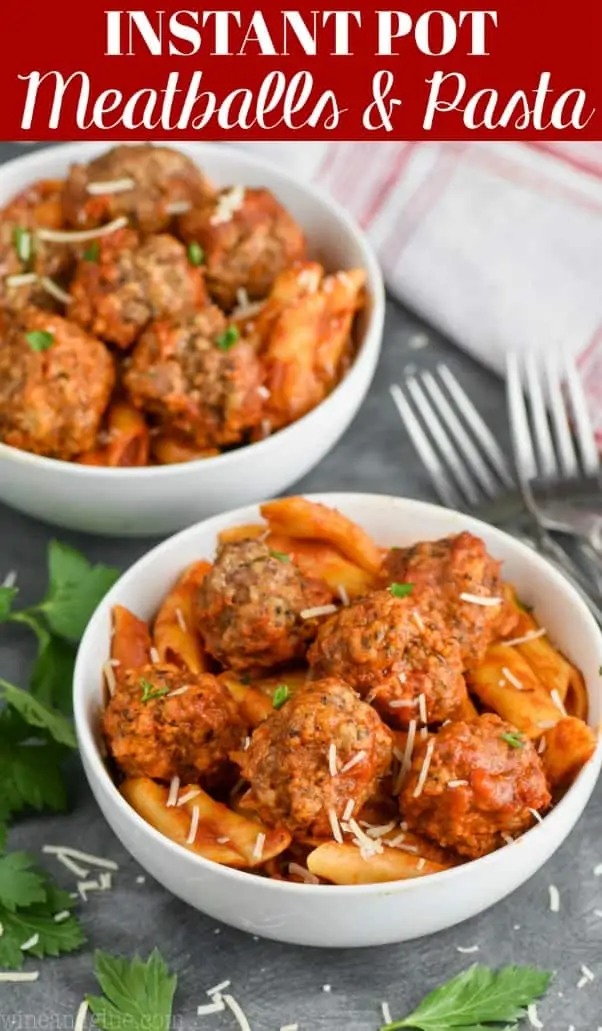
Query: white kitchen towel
x=498 y=245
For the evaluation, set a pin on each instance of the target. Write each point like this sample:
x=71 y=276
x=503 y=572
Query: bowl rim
x=368 y=348
x=87 y=742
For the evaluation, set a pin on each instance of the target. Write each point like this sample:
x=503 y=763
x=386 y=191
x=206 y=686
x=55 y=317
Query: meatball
x=162 y=182
x=290 y=762
x=396 y=651
x=155 y=728
x=484 y=782
x=248 y=239
x=453 y=567
x=133 y=282
x=250 y=607
x=55 y=384
x=197 y=377
x=22 y=253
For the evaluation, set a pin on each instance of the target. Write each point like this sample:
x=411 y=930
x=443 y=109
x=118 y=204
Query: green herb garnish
x=137 y=994
x=478 y=999
x=149 y=691
x=39 y=339
x=196 y=254
x=401 y=590
x=23 y=244
x=92 y=253
x=281 y=695
x=281 y=556
x=228 y=339
x=513 y=738
x=600 y=671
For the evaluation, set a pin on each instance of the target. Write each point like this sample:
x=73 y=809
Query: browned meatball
x=55 y=384
x=23 y=254
x=484 y=782
x=156 y=729
x=248 y=238
x=133 y=282
x=198 y=377
x=452 y=567
x=396 y=651
x=162 y=183
x=322 y=750
x=250 y=607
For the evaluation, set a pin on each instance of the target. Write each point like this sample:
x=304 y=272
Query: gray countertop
x=278 y=984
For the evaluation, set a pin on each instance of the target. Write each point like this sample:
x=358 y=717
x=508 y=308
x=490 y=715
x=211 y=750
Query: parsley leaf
x=31 y=777
x=137 y=992
x=196 y=254
x=401 y=590
x=39 y=339
x=39 y=715
x=7 y=596
x=513 y=738
x=75 y=589
x=280 y=696
x=35 y=921
x=92 y=252
x=228 y=339
x=478 y=998
x=281 y=556
x=52 y=675
x=149 y=691
x=20 y=885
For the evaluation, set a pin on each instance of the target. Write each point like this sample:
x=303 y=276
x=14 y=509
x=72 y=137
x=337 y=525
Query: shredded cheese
x=64 y=851
x=81 y=235
x=532 y=1015
x=554 y=899
x=181 y=621
x=508 y=839
x=237 y=1013
x=355 y=759
x=211 y=1007
x=425 y=768
x=457 y=783
x=290 y=1027
x=598 y=870
x=319 y=610
x=109 y=675
x=154 y=655
x=386 y=1012
x=379 y=832
x=542 y=746
x=30 y=943
x=557 y=701
x=335 y=826
x=63 y=915
x=229 y=202
x=418 y=621
x=467 y=949
x=309 y=279
x=396 y=841
x=174 y=788
x=218 y=988
x=332 y=760
x=402 y=703
x=55 y=290
x=178 y=207
x=258 y=847
x=97 y=189
x=194 y=825
x=301 y=871
x=531 y=636
x=366 y=845
x=584 y=970
x=23 y=279
x=80 y=1017
x=179 y=691
x=188 y=796
x=19 y=976
x=422 y=707
x=66 y=860
x=10 y=579
x=407 y=757
x=537 y=816
x=509 y=675
x=421 y=863
x=264 y=392
x=478 y=599
x=348 y=810
x=343 y=595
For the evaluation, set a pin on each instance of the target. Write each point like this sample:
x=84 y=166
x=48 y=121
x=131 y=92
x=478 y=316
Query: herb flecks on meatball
x=130 y=282
x=474 y=785
x=163 y=722
x=148 y=185
x=467 y=582
x=55 y=384
x=253 y=607
x=317 y=760
x=398 y=653
x=248 y=238
x=198 y=377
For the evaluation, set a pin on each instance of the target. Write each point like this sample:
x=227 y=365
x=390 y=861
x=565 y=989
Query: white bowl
x=341 y=917
x=160 y=500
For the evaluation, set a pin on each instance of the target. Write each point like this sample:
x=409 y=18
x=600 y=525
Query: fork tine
x=478 y=425
x=539 y=418
x=446 y=448
x=562 y=430
x=446 y=491
x=584 y=430
x=471 y=453
x=526 y=465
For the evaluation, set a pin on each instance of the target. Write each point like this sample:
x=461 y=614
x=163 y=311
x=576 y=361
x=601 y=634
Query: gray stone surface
x=277 y=984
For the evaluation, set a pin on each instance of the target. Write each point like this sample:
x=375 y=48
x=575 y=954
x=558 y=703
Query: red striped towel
x=498 y=245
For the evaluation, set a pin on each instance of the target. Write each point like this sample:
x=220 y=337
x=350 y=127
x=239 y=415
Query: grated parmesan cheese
x=537 y=816
x=218 y=988
x=237 y=1013
x=258 y=847
x=355 y=759
x=532 y=1015
x=211 y=1007
x=109 y=675
x=10 y=579
x=290 y=1027
x=188 y=796
x=326 y=988
x=332 y=760
x=407 y=757
x=154 y=655
x=178 y=691
x=63 y=915
x=509 y=675
x=264 y=392
x=467 y=949
x=229 y=202
x=420 y=865
x=557 y=701
x=19 y=976
x=386 y=1012
x=181 y=621
x=531 y=636
x=598 y=870
x=589 y=974
x=457 y=783
x=309 y=279
x=348 y=810
x=194 y=825
x=84 y=857
x=379 y=832
x=335 y=826
x=30 y=943
x=178 y=207
x=554 y=898
x=97 y=189
x=422 y=707
x=81 y=235
x=55 y=290
x=174 y=788
x=418 y=621
x=343 y=595
x=319 y=610
x=368 y=846
x=301 y=871
x=425 y=768
x=542 y=746
x=478 y=599
x=402 y=703
x=80 y=1017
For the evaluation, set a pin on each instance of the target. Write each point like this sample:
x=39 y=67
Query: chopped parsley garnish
x=149 y=691
x=23 y=243
x=281 y=556
x=281 y=695
x=39 y=339
x=136 y=993
x=228 y=339
x=92 y=252
x=513 y=738
x=196 y=254
x=477 y=999
x=401 y=590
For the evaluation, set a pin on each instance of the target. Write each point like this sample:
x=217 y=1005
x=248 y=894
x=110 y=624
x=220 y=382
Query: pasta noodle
x=494 y=682
x=131 y=641
x=174 y=632
x=298 y=517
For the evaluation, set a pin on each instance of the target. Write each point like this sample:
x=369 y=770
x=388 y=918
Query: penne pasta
x=293 y=679
x=298 y=517
x=568 y=746
x=548 y=664
x=213 y=831
x=129 y=438
x=346 y=864
x=495 y=683
x=131 y=640
x=173 y=450
x=255 y=706
x=242 y=533
x=174 y=632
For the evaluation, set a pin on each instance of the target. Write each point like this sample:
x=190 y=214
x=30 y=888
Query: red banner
x=73 y=70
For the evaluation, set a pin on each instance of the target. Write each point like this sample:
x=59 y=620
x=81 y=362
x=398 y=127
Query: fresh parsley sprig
x=477 y=999
x=137 y=993
x=33 y=911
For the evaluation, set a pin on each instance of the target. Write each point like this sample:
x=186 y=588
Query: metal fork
x=555 y=455
x=466 y=463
